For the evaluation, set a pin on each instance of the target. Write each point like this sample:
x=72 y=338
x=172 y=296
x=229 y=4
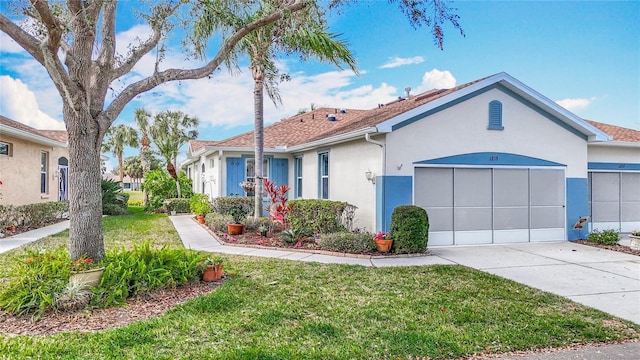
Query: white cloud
x=20 y=104
x=436 y=79
x=576 y=104
x=8 y=45
x=398 y=61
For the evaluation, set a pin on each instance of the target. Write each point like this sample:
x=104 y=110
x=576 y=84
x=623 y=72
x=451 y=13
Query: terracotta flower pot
x=235 y=229
x=213 y=272
x=384 y=245
x=200 y=219
x=11 y=228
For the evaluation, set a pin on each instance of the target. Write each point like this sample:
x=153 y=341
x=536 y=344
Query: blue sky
x=584 y=55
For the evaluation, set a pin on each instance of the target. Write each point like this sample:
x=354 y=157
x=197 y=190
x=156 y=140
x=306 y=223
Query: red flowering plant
x=382 y=236
x=83 y=264
x=279 y=208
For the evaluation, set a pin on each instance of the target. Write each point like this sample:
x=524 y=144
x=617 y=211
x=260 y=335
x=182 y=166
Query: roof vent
x=331 y=117
x=343 y=111
x=407 y=90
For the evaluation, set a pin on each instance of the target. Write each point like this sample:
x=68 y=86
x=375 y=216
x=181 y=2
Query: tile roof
x=56 y=135
x=314 y=125
x=195 y=145
x=618 y=133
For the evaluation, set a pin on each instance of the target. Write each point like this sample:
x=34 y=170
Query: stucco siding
x=20 y=172
x=462 y=129
x=348 y=163
x=614 y=154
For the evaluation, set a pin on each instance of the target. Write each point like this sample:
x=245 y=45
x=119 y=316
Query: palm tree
x=302 y=33
x=141 y=117
x=171 y=130
x=116 y=138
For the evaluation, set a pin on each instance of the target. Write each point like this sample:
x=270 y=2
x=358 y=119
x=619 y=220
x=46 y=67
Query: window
x=5 y=148
x=203 y=177
x=495 y=115
x=298 y=175
x=44 y=165
x=323 y=162
x=250 y=170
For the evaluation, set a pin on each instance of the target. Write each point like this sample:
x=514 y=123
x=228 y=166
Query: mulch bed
x=146 y=306
x=619 y=248
x=20 y=229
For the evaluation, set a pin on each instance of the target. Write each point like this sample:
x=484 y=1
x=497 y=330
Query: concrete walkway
x=602 y=279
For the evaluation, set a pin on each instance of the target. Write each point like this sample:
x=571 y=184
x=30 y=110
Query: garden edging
x=310 y=251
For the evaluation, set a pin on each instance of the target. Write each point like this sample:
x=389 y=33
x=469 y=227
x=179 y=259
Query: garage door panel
x=467 y=219
x=606 y=187
x=440 y=219
x=547 y=187
x=511 y=187
x=630 y=187
x=605 y=211
x=511 y=218
x=472 y=187
x=547 y=217
x=434 y=187
x=630 y=211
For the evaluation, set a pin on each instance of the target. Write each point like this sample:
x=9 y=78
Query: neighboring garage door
x=614 y=200
x=491 y=205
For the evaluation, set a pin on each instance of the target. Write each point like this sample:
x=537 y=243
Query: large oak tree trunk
x=85 y=192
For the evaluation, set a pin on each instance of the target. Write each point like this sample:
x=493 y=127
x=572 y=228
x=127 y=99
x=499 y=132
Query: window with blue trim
x=323 y=162
x=495 y=115
x=298 y=176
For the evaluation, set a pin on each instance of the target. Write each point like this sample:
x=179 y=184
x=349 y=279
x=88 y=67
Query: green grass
x=278 y=309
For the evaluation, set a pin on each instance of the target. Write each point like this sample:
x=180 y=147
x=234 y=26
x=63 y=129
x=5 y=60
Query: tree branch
x=54 y=28
x=23 y=38
x=132 y=90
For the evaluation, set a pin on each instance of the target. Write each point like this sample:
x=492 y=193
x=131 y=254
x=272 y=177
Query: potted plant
x=383 y=241
x=199 y=205
x=248 y=186
x=212 y=268
x=238 y=214
x=86 y=272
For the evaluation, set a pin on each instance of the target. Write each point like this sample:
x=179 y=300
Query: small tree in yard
x=75 y=41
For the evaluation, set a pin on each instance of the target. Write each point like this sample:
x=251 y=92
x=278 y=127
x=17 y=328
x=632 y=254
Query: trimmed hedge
x=224 y=204
x=33 y=215
x=348 y=242
x=321 y=216
x=179 y=205
x=409 y=229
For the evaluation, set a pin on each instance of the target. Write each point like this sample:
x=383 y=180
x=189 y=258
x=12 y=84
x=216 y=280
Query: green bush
x=254 y=224
x=34 y=281
x=409 y=229
x=357 y=243
x=131 y=272
x=179 y=205
x=321 y=216
x=217 y=222
x=161 y=186
x=199 y=204
x=37 y=279
x=224 y=204
x=114 y=200
x=606 y=237
x=291 y=236
x=33 y=215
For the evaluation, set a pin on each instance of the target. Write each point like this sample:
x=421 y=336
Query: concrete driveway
x=602 y=279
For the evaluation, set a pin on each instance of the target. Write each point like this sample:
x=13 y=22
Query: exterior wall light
x=370 y=176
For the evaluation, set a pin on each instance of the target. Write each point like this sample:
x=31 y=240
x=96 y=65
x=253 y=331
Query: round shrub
x=217 y=222
x=409 y=229
x=606 y=237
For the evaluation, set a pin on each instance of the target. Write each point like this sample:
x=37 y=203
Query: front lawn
x=277 y=309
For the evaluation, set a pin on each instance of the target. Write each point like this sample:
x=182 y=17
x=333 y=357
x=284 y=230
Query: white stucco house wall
x=492 y=161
